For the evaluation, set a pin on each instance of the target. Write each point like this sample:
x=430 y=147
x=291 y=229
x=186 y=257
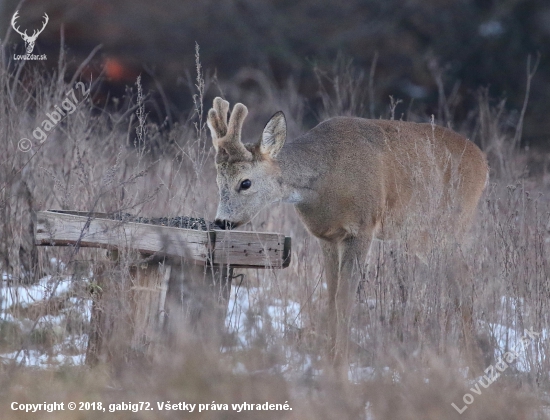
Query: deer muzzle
x=225 y=224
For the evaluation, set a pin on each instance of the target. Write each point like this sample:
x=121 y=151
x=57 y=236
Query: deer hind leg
x=347 y=262
x=460 y=278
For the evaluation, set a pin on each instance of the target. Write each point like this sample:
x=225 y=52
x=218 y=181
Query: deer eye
x=245 y=185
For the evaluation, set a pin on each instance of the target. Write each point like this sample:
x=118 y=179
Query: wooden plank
x=59 y=229
x=217 y=247
x=244 y=249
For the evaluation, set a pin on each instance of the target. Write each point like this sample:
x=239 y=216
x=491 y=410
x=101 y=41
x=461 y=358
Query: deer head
x=29 y=40
x=248 y=174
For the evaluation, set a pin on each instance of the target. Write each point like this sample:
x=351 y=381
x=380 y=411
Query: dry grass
x=408 y=332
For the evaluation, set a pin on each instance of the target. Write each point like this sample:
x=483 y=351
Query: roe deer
x=352 y=180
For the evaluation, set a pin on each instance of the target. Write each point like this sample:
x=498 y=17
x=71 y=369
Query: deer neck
x=299 y=171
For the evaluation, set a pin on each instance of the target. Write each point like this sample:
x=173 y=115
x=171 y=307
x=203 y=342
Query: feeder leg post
x=197 y=300
x=99 y=317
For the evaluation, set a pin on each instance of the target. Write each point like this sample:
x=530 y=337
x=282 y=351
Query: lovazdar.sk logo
x=30 y=40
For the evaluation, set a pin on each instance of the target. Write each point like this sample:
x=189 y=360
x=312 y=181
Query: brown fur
x=352 y=180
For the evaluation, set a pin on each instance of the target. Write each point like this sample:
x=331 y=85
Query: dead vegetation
x=409 y=341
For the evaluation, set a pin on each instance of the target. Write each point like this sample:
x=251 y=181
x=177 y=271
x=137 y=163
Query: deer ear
x=274 y=135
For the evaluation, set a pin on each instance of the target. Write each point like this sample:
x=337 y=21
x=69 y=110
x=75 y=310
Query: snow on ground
x=250 y=314
x=247 y=315
x=72 y=350
x=35 y=358
x=26 y=295
x=509 y=339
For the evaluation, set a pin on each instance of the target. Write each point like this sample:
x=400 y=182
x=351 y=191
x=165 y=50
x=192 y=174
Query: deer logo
x=29 y=40
x=352 y=181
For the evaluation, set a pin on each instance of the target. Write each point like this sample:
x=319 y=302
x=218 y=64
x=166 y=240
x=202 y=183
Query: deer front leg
x=352 y=256
x=331 y=260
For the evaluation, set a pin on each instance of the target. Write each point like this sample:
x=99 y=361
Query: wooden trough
x=169 y=276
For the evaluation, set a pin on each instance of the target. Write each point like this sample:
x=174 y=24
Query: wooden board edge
x=287 y=251
x=86 y=214
x=211 y=235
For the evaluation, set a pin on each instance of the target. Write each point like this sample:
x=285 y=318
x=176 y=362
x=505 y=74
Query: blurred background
x=415 y=50
x=412 y=349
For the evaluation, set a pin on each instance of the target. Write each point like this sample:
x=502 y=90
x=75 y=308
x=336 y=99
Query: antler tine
x=236 y=120
x=217 y=119
x=222 y=108
x=47 y=19
x=14 y=17
x=224 y=135
x=16 y=29
x=37 y=32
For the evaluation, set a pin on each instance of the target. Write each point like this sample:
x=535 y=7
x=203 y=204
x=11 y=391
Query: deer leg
x=330 y=255
x=352 y=253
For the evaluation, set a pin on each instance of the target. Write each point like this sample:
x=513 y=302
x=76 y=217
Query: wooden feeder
x=183 y=275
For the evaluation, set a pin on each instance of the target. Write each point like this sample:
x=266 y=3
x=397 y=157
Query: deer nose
x=224 y=224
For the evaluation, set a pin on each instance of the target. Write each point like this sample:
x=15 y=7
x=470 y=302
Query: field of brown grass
x=411 y=355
